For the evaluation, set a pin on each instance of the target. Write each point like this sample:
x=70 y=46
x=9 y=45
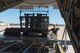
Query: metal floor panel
x=44 y=39
x=24 y=47
x=22 y=39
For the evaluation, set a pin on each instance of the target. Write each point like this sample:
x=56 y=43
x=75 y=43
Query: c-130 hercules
x=70 y=11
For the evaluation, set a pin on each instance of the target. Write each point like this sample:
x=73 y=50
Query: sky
x=12 y=16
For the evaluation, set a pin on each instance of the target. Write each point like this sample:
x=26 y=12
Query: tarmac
x=59 y=37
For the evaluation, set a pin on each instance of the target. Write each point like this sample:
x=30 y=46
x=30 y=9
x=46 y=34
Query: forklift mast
x=35 y=20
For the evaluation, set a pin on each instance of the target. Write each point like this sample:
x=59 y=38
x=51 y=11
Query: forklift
x=31 y=24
